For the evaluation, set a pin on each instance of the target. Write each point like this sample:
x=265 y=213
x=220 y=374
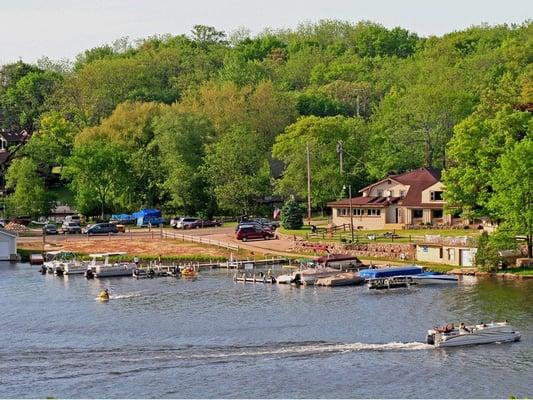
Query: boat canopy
x=101 y=255
x=391 y=271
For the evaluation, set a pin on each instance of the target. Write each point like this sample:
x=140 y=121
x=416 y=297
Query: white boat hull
x=104 y=271
x=284 y=279
x=434 y=280
x=493 y=333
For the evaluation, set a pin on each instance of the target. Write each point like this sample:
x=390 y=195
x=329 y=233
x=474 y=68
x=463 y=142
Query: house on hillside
x=411 y=198
x=10 y=143
x=11 y=138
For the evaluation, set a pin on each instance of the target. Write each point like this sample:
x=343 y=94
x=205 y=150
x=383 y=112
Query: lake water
x=214 y=338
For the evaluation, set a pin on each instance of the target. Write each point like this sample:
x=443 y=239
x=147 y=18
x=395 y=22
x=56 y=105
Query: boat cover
x=392 y=271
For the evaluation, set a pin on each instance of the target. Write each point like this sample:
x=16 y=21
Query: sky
x=58 y=29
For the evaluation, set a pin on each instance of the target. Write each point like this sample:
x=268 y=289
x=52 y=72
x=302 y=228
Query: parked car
x=208 y=223
x=73 y=218
x=70 y=227
x=50 y=229
x=120 y=227
x=174 y=222
x=100 y=228
x=247 y=232
x=188 y=223
x=252 y=223
x=267 y=222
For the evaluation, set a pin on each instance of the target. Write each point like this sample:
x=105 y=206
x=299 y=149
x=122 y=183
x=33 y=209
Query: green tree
x=99 y=176
x=291 y=215
x=512 y=200
x=182 y=139
x=26 y=100
x=473 y=153
x=322 y=135
x=29 y=196
x=52 y=143
x=236 y=166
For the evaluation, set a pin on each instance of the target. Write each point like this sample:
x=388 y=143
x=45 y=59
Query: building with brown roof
x=411 y=198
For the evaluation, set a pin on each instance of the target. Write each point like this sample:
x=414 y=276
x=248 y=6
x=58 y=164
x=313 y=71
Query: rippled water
x=214 y=338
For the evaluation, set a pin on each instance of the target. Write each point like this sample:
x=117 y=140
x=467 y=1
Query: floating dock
x=254 y=278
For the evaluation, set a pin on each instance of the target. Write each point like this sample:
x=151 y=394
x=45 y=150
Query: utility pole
x=339 y=152
x=308 y=186
x=351 y=210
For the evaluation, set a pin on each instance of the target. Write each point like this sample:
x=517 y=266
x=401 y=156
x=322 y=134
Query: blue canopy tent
x=148 y=216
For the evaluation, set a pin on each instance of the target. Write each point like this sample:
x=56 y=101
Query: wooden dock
x=253 y=278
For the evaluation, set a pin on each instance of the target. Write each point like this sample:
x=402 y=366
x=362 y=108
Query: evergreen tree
x=291 y=215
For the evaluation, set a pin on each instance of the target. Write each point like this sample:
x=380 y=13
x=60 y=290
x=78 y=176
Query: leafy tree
x=512 y=182
x=322 y=135
x=25 y=100
x=130 y=126
x=99 y=176
x=473 y=154
x=319 y=105
x=291 y=215
x=182 y=139
x=236 y=166
x=207 y=35
x=52 y=143
x=29 y=196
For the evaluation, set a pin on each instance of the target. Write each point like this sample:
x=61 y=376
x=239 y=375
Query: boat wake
x=122 y=296
x=299 y=349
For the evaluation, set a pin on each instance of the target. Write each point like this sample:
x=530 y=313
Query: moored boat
x=309 y=276
x=450 y=336
x=390 y=272
x=342 y=279
x=99 y=269
x=434 y=278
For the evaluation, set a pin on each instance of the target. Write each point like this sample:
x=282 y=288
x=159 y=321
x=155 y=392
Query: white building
x=8 y=246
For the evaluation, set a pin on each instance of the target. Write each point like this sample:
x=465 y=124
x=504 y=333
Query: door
x=465 y=257
x=4 y=251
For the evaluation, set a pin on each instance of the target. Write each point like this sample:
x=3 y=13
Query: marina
x=217 y=330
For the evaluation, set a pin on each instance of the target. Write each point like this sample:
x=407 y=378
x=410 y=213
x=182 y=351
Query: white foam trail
x=315 y=349
x=124 y=296
x=121 y=296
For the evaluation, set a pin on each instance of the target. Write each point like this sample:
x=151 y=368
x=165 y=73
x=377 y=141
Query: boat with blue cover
x=372 y=273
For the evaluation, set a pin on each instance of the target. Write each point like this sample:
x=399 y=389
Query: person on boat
x=104 y=294
x=463 y=328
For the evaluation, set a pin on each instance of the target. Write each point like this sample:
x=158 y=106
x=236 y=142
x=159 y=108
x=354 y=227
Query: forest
x=212 y=123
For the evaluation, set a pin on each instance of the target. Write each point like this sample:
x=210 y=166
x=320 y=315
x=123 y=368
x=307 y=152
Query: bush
x=291 y=215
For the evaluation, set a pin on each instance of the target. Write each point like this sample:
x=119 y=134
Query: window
x=374 y=211
x=417 y=213
x=380 y=193
x=402 y=193
x=441 y=252
x=436 y=196
x=391 y=193
x=436 y=213
x=358 y=211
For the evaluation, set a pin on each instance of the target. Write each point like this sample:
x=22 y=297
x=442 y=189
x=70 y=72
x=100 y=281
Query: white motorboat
x=58 y=262
x=106 y=268
x=310 y=275
x=450 y=336
x=433 y=278
x=285 y=279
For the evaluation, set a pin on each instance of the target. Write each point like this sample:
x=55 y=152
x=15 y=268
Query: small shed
x=8 y=246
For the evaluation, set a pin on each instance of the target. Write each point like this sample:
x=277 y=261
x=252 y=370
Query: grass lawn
x=519 y=271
